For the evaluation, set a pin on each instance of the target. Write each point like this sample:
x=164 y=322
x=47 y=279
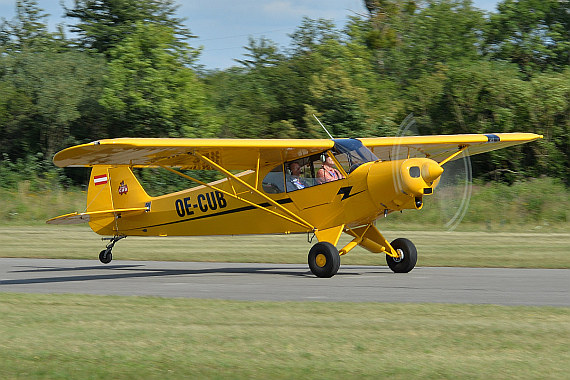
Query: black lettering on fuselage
x=221 y=200
x=179 y=208
x=202 y=203
x=211 y=201
x=183 y=207
x=205 y=202
x=188 y=206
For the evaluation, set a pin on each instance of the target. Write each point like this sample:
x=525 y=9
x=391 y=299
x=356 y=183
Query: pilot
x=294 y=182
x=328 y=172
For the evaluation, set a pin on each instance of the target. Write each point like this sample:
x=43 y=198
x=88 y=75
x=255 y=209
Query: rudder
x=111 y=188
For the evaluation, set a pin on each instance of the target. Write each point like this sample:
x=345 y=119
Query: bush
x=534 y=203
x=39 y=173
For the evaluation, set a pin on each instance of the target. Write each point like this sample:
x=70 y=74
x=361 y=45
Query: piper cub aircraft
x=316 y=186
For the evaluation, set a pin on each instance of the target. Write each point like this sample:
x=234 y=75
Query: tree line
x=129 y=68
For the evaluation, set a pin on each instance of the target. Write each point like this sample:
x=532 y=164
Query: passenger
x=294 y=182
x=328 y=172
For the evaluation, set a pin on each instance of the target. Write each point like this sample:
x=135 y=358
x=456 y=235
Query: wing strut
x=300 y=221
x=461 y=150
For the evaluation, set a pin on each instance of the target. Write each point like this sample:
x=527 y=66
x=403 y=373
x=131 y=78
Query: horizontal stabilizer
x=85 y=217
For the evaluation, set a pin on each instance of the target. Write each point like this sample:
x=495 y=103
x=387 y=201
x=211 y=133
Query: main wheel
x=408 y=259
x=324 y=259
x=105 y=256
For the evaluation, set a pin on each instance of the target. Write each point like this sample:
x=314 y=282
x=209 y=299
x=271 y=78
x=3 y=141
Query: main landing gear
x=407 y=259
x=324 y=258
x=105 y=256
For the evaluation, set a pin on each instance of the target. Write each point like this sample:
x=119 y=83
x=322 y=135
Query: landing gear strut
x=105 y=256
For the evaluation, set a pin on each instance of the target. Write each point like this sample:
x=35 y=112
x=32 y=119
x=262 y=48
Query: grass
x=25 y=205
x=95 y=337
x=72 y=336
x=471 y=249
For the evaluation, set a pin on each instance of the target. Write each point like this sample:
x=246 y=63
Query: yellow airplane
x=318 y=186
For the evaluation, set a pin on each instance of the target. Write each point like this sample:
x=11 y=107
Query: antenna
x=332 y=138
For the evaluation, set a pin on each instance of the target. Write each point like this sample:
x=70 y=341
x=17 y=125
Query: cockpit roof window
x=355 y=149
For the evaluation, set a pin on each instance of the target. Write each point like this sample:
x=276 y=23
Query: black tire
x=324 y=259
x=105 y=257
x=410 y=256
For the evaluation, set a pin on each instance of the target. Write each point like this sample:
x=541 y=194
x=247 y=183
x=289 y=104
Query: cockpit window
x=310 y=171
x=351 y=153
x=273 y=181
x=318 y=168
x=299 y=174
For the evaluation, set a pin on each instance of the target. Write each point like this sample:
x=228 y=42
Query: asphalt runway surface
x=287 y=282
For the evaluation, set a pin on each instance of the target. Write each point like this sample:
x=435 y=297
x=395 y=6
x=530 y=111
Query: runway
x=287 y=282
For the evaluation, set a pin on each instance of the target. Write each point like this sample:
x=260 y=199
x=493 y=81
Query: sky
x=224 y=26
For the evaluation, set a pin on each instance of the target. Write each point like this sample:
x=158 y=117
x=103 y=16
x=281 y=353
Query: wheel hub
x=400 y=256
x=321 y=260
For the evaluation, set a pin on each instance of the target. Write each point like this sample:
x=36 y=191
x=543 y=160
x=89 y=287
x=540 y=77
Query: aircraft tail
x=114 y=191
x=112 y=188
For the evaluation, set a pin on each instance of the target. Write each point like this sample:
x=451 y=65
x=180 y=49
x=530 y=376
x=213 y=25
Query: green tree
x=45 y=86
x=102 y=24
x=489 y=97
x=534 y=34
x=340 y=105
x=324 y=74
x=267 y=93
x=260 y=53
x=549 y=114
x=385 y=17
x=44 y=94
x=440 y=32
x=148 y=91
x=27 y=31
x=312 y=34
x=243 y=106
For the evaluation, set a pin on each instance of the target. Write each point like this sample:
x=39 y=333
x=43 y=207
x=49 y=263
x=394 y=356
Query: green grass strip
x=467 y=249
x=96 y=337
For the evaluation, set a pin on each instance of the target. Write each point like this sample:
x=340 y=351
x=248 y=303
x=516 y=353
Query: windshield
x=351 y=153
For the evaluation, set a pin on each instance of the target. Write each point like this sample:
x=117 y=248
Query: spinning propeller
x=452 y=188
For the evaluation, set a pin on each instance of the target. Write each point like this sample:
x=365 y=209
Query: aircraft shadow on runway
x=115 y=272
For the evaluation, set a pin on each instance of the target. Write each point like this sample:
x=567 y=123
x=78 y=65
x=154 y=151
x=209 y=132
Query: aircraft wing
x=232 y=154
x=440 y=147
x=243 y=154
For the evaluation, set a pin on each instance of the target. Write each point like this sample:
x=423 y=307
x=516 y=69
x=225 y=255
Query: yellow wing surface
x=244 y=154
x=440 y=147
x=232 y=154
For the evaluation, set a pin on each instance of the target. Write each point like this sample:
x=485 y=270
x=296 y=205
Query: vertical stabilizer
x=112 y=188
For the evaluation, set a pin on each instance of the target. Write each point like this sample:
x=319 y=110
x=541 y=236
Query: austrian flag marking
x=100 y=179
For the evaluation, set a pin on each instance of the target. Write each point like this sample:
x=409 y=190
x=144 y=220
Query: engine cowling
x=402 y=184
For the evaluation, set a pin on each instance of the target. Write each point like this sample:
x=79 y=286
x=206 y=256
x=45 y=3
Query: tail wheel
x=408 y=259
x=324 y=259
x=105 y=256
